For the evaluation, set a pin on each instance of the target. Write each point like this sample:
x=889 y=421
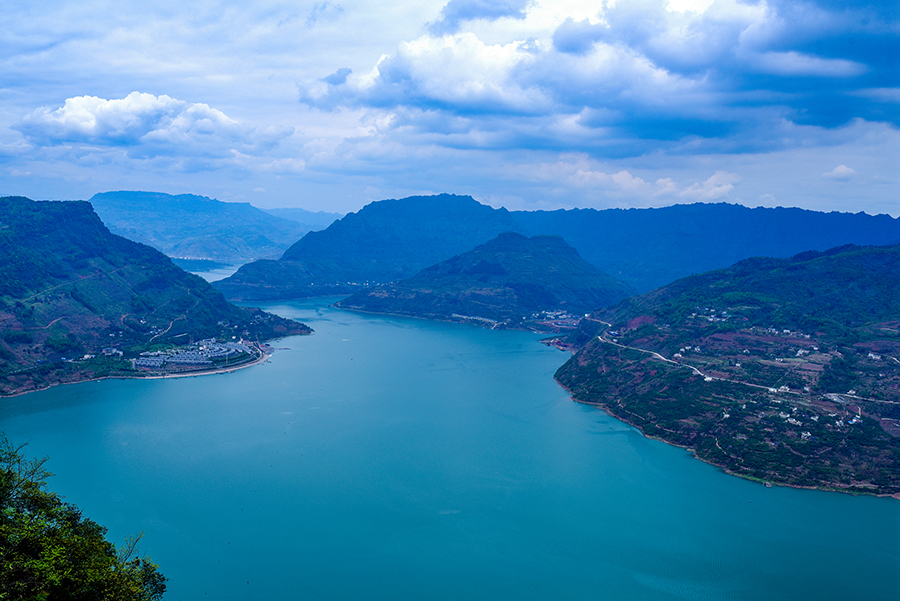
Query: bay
x=392 y=458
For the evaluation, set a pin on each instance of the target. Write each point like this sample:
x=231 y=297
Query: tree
x=48 y=551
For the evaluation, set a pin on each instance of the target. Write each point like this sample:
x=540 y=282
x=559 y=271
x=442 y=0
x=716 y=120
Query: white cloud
x=593 y=178
x=475 y=96
x=841 y=173
x=720 y=184
x=147 y=126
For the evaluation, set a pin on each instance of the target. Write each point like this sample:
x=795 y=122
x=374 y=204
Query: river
x=392 y=458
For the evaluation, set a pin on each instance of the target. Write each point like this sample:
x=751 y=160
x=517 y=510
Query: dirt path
x=710 y=378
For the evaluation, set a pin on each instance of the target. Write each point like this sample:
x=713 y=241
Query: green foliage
x=839 y=375
x=830 y=292
x=50 y=552
x=509 y=277
x=76 y=288
x=18 y=337
x=64 y=344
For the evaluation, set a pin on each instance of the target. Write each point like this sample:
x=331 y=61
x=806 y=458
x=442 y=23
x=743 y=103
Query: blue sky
x=523 y=104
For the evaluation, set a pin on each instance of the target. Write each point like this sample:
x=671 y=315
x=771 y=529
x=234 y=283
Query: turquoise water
x=390 y=458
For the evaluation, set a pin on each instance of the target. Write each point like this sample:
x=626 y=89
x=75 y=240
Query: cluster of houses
x=199 y=355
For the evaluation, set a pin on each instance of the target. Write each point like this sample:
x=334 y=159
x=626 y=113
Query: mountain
x=649 y=248
x=783 y=370
x=312 y=221
x=195 y=227
x=70 y=288
x=508 y=280
x=383 y=242
x=394 y=239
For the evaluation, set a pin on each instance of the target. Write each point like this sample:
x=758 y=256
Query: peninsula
x=78 y=303
x=782 y=370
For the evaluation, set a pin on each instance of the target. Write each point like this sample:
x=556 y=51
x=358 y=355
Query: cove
x=392 y=458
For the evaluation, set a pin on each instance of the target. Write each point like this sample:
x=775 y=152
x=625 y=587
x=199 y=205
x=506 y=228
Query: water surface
x=391 y=458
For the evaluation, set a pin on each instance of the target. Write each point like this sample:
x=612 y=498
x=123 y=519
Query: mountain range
x=186 y=226
x=389 y=240
x=507 y=281
x=383 y=242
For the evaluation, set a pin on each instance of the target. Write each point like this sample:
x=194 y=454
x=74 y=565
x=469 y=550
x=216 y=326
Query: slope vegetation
x=394 y=239
x=784 y=370
x=508 y=280
x=385 y=241
x=649 y=248
x=70 y=288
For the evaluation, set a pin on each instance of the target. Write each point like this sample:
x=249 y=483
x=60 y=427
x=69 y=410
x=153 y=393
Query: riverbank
x=721 y=466
x=264 y=351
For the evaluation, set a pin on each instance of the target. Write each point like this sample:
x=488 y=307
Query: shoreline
x=263 y=356
x=212 y=371
x=445 y=319
x=723 y=468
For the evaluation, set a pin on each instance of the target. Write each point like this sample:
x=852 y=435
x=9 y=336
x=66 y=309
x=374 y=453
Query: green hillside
x=394 y=239
x=383 y=242
x=784 y=370
x=70 y=288
x=508 y=280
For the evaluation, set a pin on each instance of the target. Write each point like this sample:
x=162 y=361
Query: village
x=203 y=355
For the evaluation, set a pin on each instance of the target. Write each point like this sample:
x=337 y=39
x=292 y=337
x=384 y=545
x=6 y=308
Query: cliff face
x=69 y=288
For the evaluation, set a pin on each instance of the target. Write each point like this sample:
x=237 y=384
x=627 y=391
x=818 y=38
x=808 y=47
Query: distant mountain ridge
x=649 y=248
x=394 y=239
x=382 y=242
x=505 y=280
x=69 y=288
x=187 y=226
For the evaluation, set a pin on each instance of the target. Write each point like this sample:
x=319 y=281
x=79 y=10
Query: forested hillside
x=69 y=288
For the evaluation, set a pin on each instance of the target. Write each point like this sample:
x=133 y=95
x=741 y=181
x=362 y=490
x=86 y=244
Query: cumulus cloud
x=147 y=126
x=841 y=173
x=457 y=73
x=637 y=75
x=580 y=172
x=718 y=185
x=577 y=37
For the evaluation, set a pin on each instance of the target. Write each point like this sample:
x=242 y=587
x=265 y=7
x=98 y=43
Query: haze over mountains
x=187 y=226
x=312 y=220
x=394 y=239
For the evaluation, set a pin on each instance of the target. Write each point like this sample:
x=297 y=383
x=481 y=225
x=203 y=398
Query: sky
x=527 y=104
